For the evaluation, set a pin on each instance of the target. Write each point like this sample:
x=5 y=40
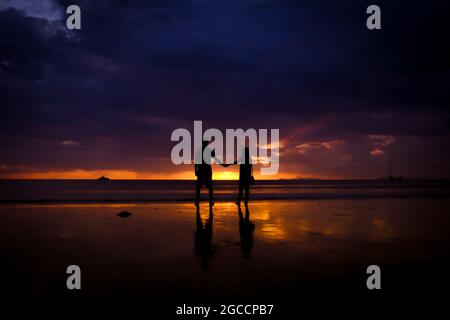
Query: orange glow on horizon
x=226 y=175
x=95 y=174
x=134 y=175
x=230 y=174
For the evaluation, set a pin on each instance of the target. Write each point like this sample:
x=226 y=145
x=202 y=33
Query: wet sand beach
x=293 y=248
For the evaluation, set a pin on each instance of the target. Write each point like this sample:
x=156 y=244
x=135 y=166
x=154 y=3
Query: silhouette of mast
x=389 y=169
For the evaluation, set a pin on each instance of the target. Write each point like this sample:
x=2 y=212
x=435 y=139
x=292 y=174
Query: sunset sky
x=104 y=100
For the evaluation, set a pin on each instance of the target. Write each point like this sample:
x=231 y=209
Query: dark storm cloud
x=139 y=69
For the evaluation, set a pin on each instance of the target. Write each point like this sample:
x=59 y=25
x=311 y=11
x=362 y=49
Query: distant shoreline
x=221 y=200
x=406 y=180
x=176 y=191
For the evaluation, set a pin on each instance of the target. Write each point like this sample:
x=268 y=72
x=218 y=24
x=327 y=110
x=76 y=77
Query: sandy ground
x=283 y=248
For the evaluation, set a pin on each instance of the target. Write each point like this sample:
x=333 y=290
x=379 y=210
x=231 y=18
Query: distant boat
x=103 y=178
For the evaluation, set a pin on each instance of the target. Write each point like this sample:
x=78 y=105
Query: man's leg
x=211 y=192
x=198 y=185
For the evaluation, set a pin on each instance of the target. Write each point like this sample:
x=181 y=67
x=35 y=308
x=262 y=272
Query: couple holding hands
x=203 y=171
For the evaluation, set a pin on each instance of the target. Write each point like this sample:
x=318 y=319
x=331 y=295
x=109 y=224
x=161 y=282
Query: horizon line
x=279 y=179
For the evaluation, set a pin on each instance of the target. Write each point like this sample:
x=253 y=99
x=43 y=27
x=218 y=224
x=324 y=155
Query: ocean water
x=182 y=190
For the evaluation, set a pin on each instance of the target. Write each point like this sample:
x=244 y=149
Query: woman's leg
x=240 y=193
x=247 y=190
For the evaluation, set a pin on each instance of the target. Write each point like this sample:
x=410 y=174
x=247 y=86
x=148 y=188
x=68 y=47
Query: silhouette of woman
x=245 y=175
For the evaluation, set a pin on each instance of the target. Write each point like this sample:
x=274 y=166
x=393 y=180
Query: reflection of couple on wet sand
x=203 y=171
x=203 y=236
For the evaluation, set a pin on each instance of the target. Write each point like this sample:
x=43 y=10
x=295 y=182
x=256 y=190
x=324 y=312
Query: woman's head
x=246 y=155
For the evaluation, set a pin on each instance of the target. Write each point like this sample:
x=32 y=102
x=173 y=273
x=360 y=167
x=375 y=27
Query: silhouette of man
x=203 y=171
